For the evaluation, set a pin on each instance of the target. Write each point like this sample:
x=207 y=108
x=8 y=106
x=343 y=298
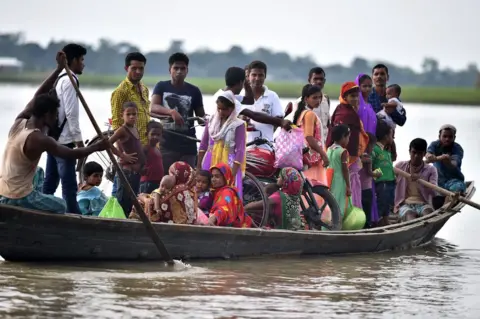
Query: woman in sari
x=227 y=209
x=369 y=120
x=365 y=110
x=347 y=113
x=177 y=205
x=223 y=140
x=316 y=159
x=284 y=203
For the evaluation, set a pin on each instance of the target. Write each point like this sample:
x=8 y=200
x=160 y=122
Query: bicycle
x=252 y=187
x=310 y=208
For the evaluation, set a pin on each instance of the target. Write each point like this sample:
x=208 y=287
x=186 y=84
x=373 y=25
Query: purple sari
x=369 y=120
x=366 y=113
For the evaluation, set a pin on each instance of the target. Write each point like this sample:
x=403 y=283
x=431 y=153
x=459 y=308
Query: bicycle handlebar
x=168 y=117
x=260 y=141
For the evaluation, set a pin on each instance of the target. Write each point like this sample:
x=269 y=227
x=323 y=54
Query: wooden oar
x=123 y=179
x=438 y=189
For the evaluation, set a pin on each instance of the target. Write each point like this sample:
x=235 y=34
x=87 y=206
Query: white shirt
x=69 y=108
x=269 y=103
x=386 y=117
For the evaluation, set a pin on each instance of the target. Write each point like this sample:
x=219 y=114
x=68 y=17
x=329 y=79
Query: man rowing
x=27 y=142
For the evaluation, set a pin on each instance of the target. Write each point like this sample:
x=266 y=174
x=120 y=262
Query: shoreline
x=410 y=94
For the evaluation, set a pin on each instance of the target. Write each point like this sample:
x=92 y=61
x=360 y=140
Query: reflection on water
x=436 y=281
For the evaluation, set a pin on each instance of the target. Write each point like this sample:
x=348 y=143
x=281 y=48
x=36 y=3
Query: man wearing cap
x=446 y=155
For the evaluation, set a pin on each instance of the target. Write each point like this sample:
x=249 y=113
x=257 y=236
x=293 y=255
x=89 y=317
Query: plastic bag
x=112 y=209
x=354 y=217
x=202 y=219
x=288 y=149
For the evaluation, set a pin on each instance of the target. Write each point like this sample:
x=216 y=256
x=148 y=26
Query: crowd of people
x=351 y=150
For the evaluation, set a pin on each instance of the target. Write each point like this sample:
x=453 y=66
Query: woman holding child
x=174 y=201
x=223 y=140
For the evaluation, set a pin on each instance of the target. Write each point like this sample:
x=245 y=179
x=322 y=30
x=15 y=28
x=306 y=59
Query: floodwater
x=438 y=281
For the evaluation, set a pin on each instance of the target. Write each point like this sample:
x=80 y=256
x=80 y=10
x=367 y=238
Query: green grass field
x=430 y=95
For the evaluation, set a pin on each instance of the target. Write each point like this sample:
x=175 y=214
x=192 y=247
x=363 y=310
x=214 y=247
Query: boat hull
x=27 y=235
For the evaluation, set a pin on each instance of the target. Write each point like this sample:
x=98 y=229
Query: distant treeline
x=108 y=58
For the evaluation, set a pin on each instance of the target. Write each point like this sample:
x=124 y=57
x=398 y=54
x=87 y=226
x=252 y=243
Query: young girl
x=366 y=179
x=132 y=158
x=338 y=156
x=153 y=171
x=90 y=198
x=304 y=117
x=385 y=184
x=365 y=110
x=205 y=197
x=223 y=140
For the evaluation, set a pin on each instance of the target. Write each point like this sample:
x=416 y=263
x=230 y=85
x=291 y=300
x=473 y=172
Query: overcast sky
x=331 y=31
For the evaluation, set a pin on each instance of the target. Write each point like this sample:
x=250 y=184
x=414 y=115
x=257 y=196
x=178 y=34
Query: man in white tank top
x=27 y=142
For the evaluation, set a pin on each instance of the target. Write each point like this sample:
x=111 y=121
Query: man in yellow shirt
x=132 y=90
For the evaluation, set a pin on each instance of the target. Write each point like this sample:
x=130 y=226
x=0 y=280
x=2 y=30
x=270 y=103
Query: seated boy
x=413 y=200
x=446 y=155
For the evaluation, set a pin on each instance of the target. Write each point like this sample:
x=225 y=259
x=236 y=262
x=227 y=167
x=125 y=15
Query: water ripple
x=437 y=282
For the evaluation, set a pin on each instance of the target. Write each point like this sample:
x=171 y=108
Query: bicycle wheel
x=309 y=207
x=103 y=159
x=253 y=192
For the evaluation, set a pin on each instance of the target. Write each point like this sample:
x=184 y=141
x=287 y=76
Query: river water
x=438 y=281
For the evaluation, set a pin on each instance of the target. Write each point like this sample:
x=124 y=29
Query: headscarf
x=290 y=191
x=292 y=181
x=227 y=174
x=346 y=114
x=365 y=112
x=182 y=172
x=347 y=86
x=227 y=205
x=178 y=205
x=218 y=131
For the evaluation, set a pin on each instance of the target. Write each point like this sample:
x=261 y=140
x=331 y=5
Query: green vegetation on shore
x=428 y=95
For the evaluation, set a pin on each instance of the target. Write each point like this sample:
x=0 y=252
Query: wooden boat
x=27 y=235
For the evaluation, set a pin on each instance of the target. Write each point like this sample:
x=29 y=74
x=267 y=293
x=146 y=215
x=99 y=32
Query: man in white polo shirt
x=265 y=101
x=235 y=82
